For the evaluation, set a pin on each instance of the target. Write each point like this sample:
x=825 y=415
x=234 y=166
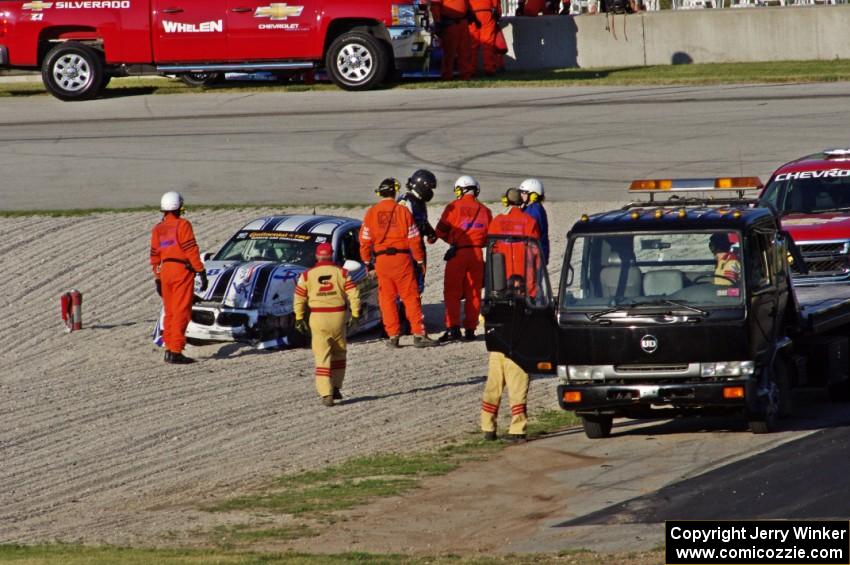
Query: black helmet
x=388 y=187
x=422 y=184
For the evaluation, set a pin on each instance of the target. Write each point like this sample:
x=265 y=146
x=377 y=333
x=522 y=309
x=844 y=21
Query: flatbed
x=822 y=307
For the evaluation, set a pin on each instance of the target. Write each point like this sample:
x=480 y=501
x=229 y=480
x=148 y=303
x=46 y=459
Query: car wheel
x=200 y=80
x=357 y=61
x=73 y=71
x=597 y=426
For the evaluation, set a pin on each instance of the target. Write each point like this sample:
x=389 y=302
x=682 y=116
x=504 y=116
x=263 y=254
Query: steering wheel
x=732 y=281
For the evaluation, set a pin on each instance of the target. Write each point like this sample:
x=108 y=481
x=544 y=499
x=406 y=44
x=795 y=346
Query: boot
x=337 y=395
x=392 y=342
x=516 y=438
x=177 y=358
x=423 y=341
x=469 y=335
x=452 y=334
x=328 y=400
x=490 y=436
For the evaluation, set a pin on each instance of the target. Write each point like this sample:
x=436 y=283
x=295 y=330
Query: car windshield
x=678 y=271
x=280 y=247
x=793 y=192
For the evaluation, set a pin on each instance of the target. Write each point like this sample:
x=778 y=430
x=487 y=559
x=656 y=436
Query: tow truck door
x=189 y=31
x=518 y=305
x=265 y=30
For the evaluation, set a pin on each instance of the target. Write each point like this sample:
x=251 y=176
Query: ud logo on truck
x=649 y=343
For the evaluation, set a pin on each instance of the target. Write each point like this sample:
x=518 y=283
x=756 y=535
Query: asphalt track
x=334 y=147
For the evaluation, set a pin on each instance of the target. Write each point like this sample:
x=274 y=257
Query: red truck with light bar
x=79 y=45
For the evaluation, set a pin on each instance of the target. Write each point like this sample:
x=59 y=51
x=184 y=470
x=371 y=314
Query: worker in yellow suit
x=323 y=289
x=504 y=372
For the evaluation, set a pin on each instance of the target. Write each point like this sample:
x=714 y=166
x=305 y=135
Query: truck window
x=760 y=256
x=700 y=268
x=516 y=271
x=809 y=195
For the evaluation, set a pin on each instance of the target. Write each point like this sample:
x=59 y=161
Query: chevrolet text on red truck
x=812 y=194
x=80 y=45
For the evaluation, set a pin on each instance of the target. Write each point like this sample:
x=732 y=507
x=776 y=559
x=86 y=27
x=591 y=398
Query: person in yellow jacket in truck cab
x=324 y=290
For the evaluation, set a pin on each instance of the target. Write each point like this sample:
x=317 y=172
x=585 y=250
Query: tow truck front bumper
x=411 y=47
x=618 y=398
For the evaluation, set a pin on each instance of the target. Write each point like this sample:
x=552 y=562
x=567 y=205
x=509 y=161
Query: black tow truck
x=678 y=307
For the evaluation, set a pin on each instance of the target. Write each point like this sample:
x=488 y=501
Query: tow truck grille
x=826 y=258
x=649 y=368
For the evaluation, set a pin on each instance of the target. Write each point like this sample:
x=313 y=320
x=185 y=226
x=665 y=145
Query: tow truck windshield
x=671 y=272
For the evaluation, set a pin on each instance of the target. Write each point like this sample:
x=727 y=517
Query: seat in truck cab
x=610 y=279
x=663 y=282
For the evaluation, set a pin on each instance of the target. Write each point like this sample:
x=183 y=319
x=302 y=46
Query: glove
x=302 y=327
x=353 y=321
x=204 y=281
x=158 y=287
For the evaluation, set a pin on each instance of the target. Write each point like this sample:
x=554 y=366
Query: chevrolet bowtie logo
x=278 y=11
x=37 y=6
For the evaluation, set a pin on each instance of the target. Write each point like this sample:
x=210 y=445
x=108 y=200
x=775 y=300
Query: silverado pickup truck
x=79 y=45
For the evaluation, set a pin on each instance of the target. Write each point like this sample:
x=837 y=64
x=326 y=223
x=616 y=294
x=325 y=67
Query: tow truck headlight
x=404 y=15
x=727 y=369
x=585 y=373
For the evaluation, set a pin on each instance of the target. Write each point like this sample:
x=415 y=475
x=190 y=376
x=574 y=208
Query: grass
x=695 y=74
x=83 y=555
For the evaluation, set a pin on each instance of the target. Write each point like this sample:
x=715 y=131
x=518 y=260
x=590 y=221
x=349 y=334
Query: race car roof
x=320 y=225
x=824 y=160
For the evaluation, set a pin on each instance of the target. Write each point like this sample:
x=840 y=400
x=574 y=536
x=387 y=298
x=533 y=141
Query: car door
x=189 y=31
x=518 y=307
x=263 y=30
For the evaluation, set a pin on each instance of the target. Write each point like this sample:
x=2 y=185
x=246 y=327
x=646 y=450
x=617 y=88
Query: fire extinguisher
x=71 y=304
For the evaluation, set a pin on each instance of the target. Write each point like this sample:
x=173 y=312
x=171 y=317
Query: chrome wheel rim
x=72 y=73
x=355 y=63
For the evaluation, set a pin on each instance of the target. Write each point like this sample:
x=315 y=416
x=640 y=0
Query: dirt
x=101 y=442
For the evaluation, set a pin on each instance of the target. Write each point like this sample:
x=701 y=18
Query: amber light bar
x=696 y=185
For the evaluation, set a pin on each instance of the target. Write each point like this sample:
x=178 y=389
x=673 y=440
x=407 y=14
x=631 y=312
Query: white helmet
x=171 y=201
x=466 y=183
x=532 y=186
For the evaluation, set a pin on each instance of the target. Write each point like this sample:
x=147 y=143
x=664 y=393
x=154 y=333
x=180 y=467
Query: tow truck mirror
x=498 y=278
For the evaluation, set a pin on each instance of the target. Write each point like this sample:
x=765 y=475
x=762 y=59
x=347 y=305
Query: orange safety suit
x=464 y=226
x=389 y=236
x=483 y=35
x=519 y=262
x=504 y=372
x=175 y=260
x=324 y=289
x=450 y=18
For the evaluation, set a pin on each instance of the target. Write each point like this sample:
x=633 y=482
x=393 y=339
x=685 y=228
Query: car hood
x=817 y=227
x=266 y=286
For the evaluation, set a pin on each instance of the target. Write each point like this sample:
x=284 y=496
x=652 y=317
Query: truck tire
x=73 y=71
x=200 y=80
x=597 y=426
x=357 y=61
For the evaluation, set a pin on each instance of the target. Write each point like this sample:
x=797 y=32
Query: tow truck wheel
x=597 y=426
x=357 y=61
x=73 y=71
x=764 y=421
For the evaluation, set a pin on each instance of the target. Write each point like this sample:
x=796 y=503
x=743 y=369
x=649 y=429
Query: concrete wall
x=668 y=37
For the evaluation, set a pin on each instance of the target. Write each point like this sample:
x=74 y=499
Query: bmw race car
x=252 y=279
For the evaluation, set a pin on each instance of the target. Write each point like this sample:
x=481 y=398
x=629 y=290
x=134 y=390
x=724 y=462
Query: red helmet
x=324 y=250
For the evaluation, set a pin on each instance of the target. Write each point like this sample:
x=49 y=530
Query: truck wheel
x=597 y=426
x=199 y=80
x=73 y=71
x=357 y=61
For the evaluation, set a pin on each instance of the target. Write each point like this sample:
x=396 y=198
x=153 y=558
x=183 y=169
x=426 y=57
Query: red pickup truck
x=80 y=44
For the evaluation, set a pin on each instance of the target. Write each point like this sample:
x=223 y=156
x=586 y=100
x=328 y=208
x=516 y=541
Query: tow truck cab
x=675 y=307
x=812 y=195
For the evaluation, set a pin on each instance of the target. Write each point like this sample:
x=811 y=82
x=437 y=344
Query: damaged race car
x=252 y=280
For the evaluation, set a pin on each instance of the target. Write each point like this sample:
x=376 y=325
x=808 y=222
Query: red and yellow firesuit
x=483 y=35
x=450 y=18
x=519 y=262
x=175 y=260
x=464 y=226
x=323 y=289
x=390 y=236
x=727 y=270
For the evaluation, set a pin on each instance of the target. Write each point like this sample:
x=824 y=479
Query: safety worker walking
x=420 y=190
x=502 y=372
x=389 y=237
x=532 y=194
x=323 y=289
x=464 y=226
x=450 y=18
x=482 y=33
x=175 y=260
